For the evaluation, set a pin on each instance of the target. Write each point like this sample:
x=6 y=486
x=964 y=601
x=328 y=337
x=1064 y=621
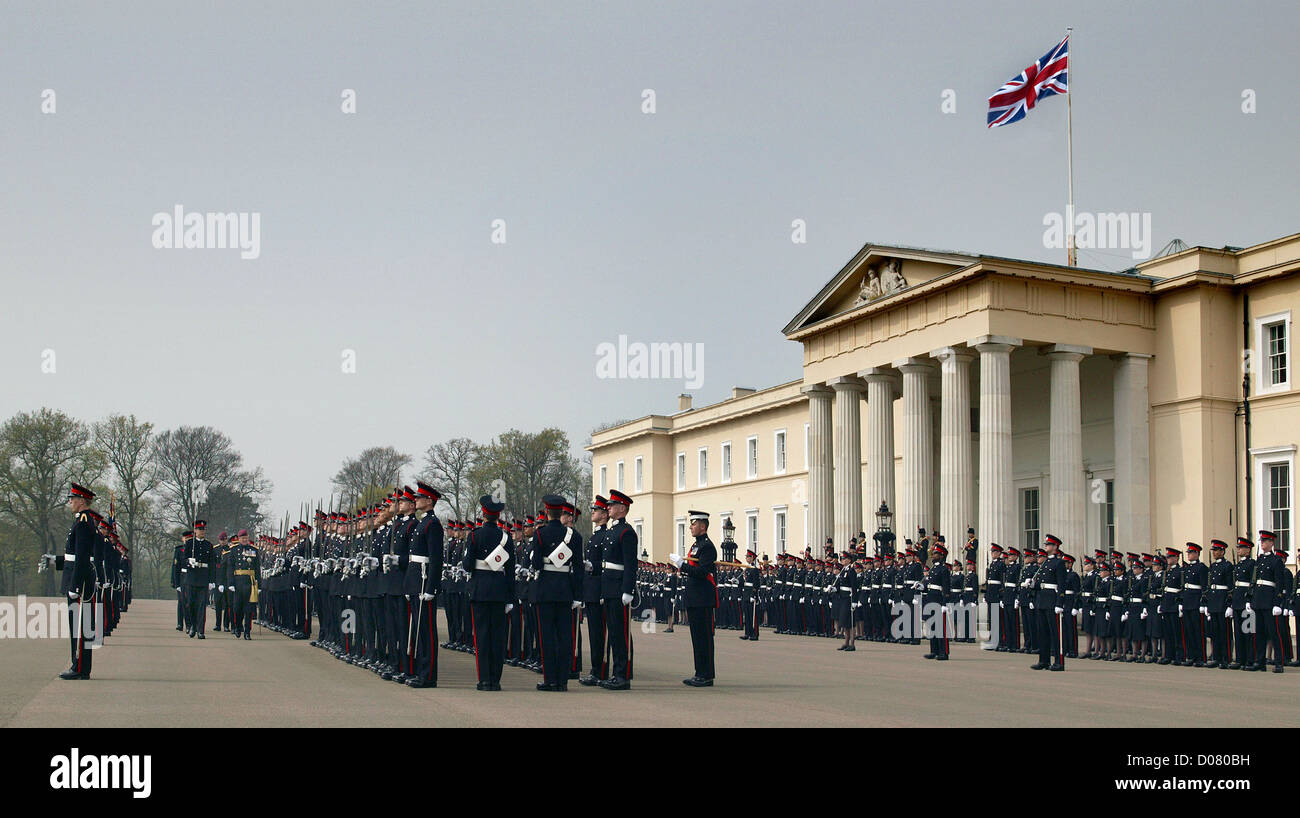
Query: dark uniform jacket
x=201 y=551
x=594 y=553
x=700 y=570
x=419 y=549
x=557 y=584
x=75 y=562
x=620 y=549
x=486 y=585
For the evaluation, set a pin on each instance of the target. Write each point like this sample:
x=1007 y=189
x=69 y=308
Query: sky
x=376 y=242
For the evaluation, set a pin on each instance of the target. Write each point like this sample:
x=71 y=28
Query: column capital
x=914 y=365
x=881 y=374
x=1135 y=356
x=816 y=389
x=955 y=353
x=848 y=383
x=1066 y=350
x=994 y=342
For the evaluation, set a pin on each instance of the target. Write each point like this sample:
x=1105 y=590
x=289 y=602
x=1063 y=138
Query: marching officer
x=180 y=566
x=490 y=561
x=617 y=583
x=701 y=596
x=197 y=582
x=245 y=565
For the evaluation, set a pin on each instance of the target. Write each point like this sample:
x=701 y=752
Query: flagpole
x=1069 y=151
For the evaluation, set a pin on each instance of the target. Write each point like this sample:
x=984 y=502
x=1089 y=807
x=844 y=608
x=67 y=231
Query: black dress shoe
x=850 y=648
x=72 y=674
x=1234 y=666
x=616 y=684
x=1277 y=668
x=192 y=634
x=943 y=657
x=494 y=686
x=841 y=647
x=420 y=683
x=698 y=682
x=928 y=656
x=1038 y=666
x=588 y=681
x=179 y=628
x=575 y=675
x=547 y=687
x=1211 y=664
x=481 y=686
x=201 y=636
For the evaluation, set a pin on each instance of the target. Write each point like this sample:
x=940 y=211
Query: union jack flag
x=1045 y=78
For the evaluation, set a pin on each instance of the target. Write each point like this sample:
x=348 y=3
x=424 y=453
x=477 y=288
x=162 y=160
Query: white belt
x=846 y=588
x=1050 y=585
x=196 y=565
x=995 y=582
x=1270 y=583
x=420 y=559
x=481 y=565
x=1243 y=584
x=1135 y=599
x=1172 y=590
x=1189 y=586
x=1218 y=587
x=1117 y=599
x=1087 y=593
x=749 y=585
x=613 y=566
x=936 y=587
x=556 y=568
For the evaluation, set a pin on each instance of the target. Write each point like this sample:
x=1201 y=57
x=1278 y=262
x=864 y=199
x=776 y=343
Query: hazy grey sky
x=376 y=226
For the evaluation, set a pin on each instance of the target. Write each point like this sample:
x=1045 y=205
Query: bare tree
x=447 y=467
x=193 y=460
x=40 y=454
x=529 y=465
x=373 y=472
x=127 y=446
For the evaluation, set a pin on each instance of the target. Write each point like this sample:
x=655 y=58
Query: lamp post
x=728 y=541
x=884 y=535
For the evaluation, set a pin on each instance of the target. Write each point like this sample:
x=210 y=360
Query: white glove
x=426 y=597
x=1180 y=609
x=1031 y=606
x=1289 y=612
x=302 y=585
x=1277 y=611
x=1144 y=613
x=676 y=560
x=627 y=599
x=178 y=590
x=47 y=560
x=211 y=585
x=1205 y=609
x=510 y=606
x=1107 y=616
x=577 y=603
x=1017 y=604
x=943 y=608
x=801 y=600
x=587 y=564
x=1228 y=612
x=1159 y=609
x=73 y=595
x=221 y=588
x=1001 y=604
x=1075 y=612
x=1123 y=617
x=1060 y=610
x=1248 y=607
x=193 y=562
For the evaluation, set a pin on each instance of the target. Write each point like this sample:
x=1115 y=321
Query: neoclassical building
x=1131 y=410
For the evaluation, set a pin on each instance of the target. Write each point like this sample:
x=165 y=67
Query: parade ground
x=150 y=675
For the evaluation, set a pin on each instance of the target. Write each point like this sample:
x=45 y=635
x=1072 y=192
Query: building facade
x=1129 y=410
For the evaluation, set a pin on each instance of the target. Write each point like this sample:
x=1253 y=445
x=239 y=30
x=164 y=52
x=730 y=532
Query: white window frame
x=702 y=466
x=1260 y=361
x=751 y=474
x=1273 y=456
x=780 y=520
x=638 y=474
x=638 y=525
x=1021 y=486
x=604 y=485
x=618 y=475
x=679 y=526
x=780 y=451
x=725 y=464
x=681 y=471
x=751 y=531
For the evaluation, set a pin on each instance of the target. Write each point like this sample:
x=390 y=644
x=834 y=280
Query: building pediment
x=876 y=272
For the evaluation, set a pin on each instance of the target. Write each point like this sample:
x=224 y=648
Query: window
x=681 y=536
x=778 y=451
x=1277 y=513
x=806 y=438
x=640 y=533
x=1272 y=353
x=1029 y=518
x=704 y=466
x=778 y=530
x=618 y=474
x=602 y=480
x=681 y=470
x=637 y=473
x=726 y=462
x=751 y=531
x=751 y=444
x=1108 y=518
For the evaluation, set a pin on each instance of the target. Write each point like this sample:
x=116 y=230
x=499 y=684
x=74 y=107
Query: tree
x=193 y=461
x=40 y=454
x=448 y=468
x=529 y=465
x=370 y=475
x=127 y=446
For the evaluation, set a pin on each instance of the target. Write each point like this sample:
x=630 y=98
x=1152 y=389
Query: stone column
x=1132 y=452
x=821 y=506
x=882 y=388
x=848 y=461
x=1066 y=503
x=956 y=472
x=997 y=493
x=916 y=506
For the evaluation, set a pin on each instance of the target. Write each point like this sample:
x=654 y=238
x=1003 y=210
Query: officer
x=219 y=570
x=972 y=546
x=750 y=581
x=1175 y=641
x=1070 y=602
x=490 y=562
x=593 y=610
x=1049 y=581
x=180 y=566
x=1243 y=571
x=78 y=569
x=245 y=565
x=568 y=518
x=934 y=600
x=617 y=582
x=422 y=575
x=701 y=596
x=559 y=591
x=1215 y=604
x=845 y=585
x=1192 y=607
x=197 y=582
x=1266 y=602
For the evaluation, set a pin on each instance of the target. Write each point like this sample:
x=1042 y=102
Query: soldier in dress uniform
x=1155 y=593
x=78 y=570
x=1087 y=589
x=1215 y=601
x=972 y=546
x=1070 y=602
x=197 y=581
x=1191 y=607
x=934 y=602
x=569 y=518
x=845 y=587
x=181 y=566
x=750 y=582
x=1266 y=601
x=617 y=582
x=701 y=596
x=422 y=576
x=1048 y=581
x=1139 y=647
x=491 y=564
x=913 y=578
x=1172 y=627
x=1243 y=571
x=1028 y=620
x=220 y=568
x=559 y=591
x=244 y=565
x=593 y=610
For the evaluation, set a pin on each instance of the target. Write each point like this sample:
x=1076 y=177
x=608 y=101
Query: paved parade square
x=149 y=675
